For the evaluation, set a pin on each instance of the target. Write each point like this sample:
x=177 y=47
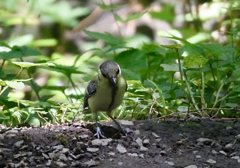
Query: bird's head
x=110 y=70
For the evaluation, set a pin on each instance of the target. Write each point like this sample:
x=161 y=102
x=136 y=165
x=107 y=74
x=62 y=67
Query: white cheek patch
x=119 y=69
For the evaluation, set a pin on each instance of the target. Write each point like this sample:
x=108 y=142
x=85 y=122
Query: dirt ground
x=151 y=144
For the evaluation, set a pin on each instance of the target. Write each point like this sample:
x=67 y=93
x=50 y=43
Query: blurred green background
x=180 y=58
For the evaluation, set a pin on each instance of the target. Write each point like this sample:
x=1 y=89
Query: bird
x=105 y=93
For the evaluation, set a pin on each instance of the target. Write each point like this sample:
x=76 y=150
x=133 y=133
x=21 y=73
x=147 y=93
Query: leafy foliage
x=181 y=79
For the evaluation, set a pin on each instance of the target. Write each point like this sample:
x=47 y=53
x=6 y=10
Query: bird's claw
x=99 y=133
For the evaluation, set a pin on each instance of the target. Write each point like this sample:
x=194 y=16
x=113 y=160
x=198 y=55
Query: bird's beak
x=114 y=80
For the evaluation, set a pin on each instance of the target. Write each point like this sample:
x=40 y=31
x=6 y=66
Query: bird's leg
x=98 y=130
x=118 y=124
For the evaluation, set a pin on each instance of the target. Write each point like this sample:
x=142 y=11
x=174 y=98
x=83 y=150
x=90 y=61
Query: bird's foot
x=99 y=133
x=126 y=131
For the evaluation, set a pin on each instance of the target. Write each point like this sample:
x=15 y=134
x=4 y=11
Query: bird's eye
x=118 y=71
x=104 y=75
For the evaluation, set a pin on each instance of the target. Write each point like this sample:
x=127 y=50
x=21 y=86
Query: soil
x=200 y=143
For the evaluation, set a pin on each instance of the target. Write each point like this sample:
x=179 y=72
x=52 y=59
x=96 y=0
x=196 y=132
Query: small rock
x=18 y=144
x=228 y=147
x=49 y=162
x=58 y=147
x=12 y=131
x=121 y=148
x=92 y=150
x=198 y=156
x=84 y=136
x=132 y=154
x=222 y=152
x=136 y=132
x=111 y=154
x=146 y=142
x=90 y=163
x=1 y=136
x=45 y=156
x=229 y=128
x=63 y=158
x=120 y=163
x=60 y=164
x=141 y=156
x=21 y=164
x=65 y=150
x=237 y=158
x=211 y=161
x=163 y=153
x=126 y=122
x=139 y=141
x=237 y=137
x=204 y=141
x=214 y=152
x=191 y=166
x=169 y=163
x=103 y=142
x=155 y=135
x=143 y=149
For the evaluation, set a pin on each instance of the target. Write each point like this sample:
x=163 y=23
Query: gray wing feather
x=89 y=91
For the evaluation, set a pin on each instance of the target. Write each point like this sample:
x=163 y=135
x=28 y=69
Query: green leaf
x=2 y=43
x=129 y=17
x=19 y=52
x=30 y=64
x=193 y=60
x=109 y=7
x=172 y=67
x=215 y=50
x=67 y=70
x=108 y=38
x=133 y=59
x=15 y=85
x=175 y=46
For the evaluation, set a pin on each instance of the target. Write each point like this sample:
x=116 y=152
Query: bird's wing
x=90 y=90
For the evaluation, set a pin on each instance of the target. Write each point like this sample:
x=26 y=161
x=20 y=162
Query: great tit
x=105 y=92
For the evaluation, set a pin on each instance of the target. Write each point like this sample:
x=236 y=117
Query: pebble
x=120 y=163
x=65 y=150
x=143 y=149
x=90 y=163
x=58 y=147
x=45 y=156
x=136 y=132
x=103 y=142
x=191 y=166
x=126 y=122
x=169 y=163
x=92 y=150
x=60 y=164
x=1 y=136
x=18 y=144
x=146 y=142
x=222 y=152
x=214 y=152
x=63 y=158
x=204 y=141
x=237 y=158
x=237 y=137
x=49 y=162
x=155 y=135
x=228 y=147
x=132 y=154
x=121 y=148
x=198 y=156
x=139 y=142
x=111 y=154
x=211 y=161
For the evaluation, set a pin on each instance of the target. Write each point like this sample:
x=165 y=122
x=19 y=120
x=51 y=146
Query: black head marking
x=109 y=69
